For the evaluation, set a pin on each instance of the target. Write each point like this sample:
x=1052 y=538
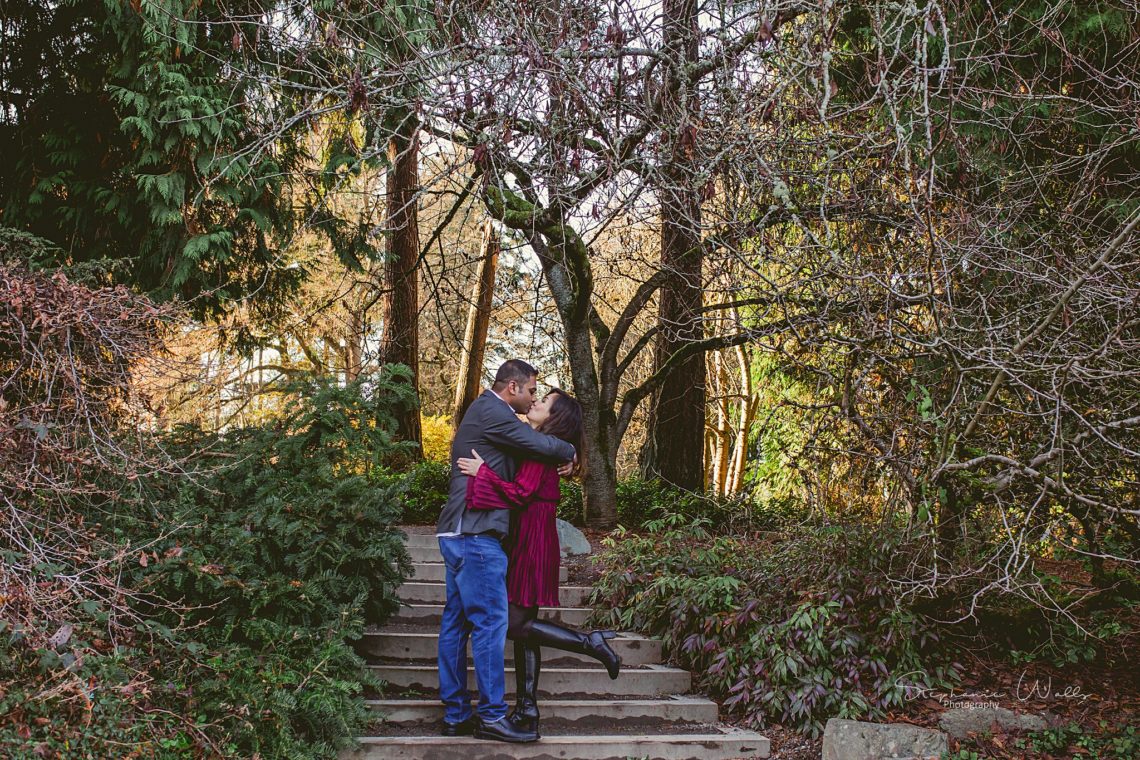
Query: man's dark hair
x=513 y=369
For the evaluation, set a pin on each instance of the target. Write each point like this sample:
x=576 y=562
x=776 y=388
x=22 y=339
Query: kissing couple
x=499 y=542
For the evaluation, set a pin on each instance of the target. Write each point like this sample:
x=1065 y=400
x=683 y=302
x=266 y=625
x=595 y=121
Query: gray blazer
x=491 y=428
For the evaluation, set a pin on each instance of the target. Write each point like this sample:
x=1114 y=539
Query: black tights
x=519 y=620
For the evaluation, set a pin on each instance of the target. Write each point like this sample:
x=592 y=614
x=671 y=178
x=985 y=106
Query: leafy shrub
x=1094 y=636
x=423 y=491
x=796 y=631
x=435 y=434
x=287 y=551
x=1052 y=619
x=640 y=502
x=248 y=579
x=571 y=506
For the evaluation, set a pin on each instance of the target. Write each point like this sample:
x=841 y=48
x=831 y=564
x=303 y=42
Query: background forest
x=850 y=292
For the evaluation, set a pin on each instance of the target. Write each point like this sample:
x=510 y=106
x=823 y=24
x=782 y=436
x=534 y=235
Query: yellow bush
x=435 y=431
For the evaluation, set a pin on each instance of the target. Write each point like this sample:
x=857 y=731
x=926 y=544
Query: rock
x=958 y=722
x=856 y=740
x=572 y=540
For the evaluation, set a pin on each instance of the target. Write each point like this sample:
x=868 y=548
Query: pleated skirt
x=532 y=572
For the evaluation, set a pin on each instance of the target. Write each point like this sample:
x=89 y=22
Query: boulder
x=572 y=540
x=959 y=722
x=856 y=740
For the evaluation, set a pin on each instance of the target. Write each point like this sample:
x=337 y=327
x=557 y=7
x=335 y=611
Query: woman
x=534 y=553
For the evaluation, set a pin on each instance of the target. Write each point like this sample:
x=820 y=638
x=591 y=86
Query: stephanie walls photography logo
x=1025 y=689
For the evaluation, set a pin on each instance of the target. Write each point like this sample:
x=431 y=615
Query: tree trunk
x=401 y=304
x=677 y=411
x=354 y=346
x=566 y=268
x=723 y=434
x=478 y=319
x=748 y=406
x=599 y=480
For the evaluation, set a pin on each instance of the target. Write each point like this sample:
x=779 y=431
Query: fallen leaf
x=62 y=636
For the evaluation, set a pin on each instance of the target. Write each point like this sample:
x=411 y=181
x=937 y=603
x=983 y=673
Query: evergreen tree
x=132 y=136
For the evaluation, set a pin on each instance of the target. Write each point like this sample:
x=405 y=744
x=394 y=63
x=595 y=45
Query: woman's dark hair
x=565 y=422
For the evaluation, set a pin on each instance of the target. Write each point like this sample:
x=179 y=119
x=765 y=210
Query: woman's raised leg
x=595 y=643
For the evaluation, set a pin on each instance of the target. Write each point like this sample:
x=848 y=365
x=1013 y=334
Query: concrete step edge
x=721 y=745
x=423 y=613
x=672 y=699
x=435 y=572
x=622 y=636
x=646 y=681
x=614 y=711
x=408 y=647
x=653 y=668
x=541 y=610
x=433 y=592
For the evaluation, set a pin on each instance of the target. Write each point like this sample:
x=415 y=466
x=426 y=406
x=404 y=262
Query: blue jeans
x=476 y=608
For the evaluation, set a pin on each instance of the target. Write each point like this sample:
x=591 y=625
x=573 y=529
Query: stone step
x=421 y=540
x=646 y=681
x=430 y=613
x=435 y=572
x=423 y=592
x=425 y=553
x=632 y=648
x=720 y=745
x=567 y=712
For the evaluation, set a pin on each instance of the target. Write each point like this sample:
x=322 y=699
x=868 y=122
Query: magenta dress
x=532 y=548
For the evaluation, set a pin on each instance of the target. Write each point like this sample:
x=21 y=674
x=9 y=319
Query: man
x=476 y=565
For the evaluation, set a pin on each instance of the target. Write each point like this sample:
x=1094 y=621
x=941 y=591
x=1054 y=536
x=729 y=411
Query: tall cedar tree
x=129 y=140
x=675 y=446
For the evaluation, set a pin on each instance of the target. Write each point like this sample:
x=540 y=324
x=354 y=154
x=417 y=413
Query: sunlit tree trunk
x=478 y=319
x=722 y=434
x=748 y=406
x=353 y=346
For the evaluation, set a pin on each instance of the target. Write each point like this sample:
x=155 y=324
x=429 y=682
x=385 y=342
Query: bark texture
x=400 y=343
x=675 y=446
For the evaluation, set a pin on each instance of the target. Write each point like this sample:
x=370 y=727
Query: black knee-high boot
x=594 y=644
x=528 y=664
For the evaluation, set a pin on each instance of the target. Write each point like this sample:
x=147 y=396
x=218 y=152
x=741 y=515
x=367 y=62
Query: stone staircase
x=648 y=712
